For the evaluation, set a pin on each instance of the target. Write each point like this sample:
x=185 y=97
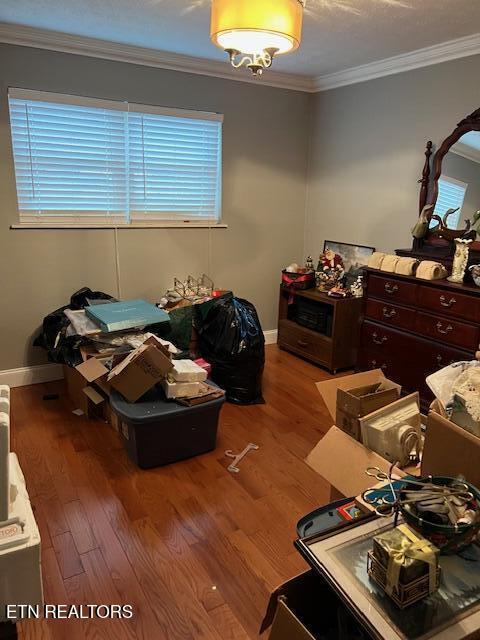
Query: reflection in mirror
x=459 y=183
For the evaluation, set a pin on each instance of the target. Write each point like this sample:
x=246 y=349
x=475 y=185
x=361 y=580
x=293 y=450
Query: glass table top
x=458 y=595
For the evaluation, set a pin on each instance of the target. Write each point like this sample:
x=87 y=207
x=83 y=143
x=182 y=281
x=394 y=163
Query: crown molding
x=451 y=50
x=93 y=47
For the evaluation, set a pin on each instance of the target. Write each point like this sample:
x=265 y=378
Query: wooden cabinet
x=411 y=328
x=332 y=342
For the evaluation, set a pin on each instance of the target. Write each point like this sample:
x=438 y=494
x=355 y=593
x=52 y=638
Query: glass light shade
x=251 y=26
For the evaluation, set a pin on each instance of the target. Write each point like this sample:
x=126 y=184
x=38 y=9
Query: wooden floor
x=195 y=549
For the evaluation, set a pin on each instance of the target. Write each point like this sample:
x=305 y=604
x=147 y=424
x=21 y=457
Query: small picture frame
x=355 y=257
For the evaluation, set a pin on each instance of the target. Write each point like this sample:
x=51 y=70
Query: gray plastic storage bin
x=156 y=431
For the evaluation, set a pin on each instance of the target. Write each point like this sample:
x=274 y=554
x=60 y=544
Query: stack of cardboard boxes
x=89 y=384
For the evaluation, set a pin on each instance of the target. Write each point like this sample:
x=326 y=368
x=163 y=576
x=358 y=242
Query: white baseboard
x=31 y=375
x=271 y=336
x=49 y=372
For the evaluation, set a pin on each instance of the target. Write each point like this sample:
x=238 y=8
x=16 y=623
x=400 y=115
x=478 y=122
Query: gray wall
x=467 y=171
x=366 y=146
x=264 y=184
x=367 y=150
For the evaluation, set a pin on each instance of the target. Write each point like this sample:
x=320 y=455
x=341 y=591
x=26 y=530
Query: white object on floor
x=4 y=451
x=187 y=371
x=237 y=457
x=20 y=568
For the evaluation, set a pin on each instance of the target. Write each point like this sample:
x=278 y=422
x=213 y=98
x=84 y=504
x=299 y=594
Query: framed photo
x=355 y=257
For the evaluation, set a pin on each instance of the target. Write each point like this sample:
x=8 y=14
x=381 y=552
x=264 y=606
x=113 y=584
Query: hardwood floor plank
x=67 y=555
x=228 y=624
x=80 y=527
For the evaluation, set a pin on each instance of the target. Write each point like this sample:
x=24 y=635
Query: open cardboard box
x=303 y=608
x=140 y=370
x=353 y=403
x=338 y=457
x=450 y=450
x=87 y=396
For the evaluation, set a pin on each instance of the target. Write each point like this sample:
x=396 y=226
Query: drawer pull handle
x=373 y=365
x=448 y=329
x=378 y=340
x=445 y=303
x=301 y=343
x=389 y=314
x=391 y=288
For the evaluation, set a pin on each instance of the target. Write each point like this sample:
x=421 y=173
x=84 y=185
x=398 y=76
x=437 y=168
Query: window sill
x=138 y=225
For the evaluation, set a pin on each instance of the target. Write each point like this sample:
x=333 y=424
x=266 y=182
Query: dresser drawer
x=450 y=304
x=391 y=351
x=304 y=341
x=383 y=339
x=390 y=314
x=402 y=372
x=448 y=331
x=435 y=357
x=392 y=289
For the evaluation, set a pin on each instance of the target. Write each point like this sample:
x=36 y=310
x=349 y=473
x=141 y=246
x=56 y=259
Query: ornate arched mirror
x=452 y=191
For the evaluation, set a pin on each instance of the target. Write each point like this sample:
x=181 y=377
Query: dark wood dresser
x=320 y=328
x=412 y=327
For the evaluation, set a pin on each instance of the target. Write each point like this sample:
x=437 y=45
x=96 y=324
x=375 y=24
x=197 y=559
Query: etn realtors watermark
x=69 y=611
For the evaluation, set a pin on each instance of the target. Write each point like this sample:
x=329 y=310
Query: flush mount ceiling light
x=252 y=32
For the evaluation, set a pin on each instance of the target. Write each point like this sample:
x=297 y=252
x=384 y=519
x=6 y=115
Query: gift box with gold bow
x=404 y=564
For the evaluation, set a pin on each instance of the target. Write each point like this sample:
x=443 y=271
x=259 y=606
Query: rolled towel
x=376 y=259
x=406 y=266
x=389 y=263
x=429 y=270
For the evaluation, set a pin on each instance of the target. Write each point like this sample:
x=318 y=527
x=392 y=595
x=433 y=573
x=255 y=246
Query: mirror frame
x=470 y=123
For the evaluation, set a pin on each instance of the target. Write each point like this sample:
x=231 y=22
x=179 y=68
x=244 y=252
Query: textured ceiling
x=338 y=34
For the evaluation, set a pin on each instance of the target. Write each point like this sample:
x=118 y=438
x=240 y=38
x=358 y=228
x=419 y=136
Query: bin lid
x=154 y=407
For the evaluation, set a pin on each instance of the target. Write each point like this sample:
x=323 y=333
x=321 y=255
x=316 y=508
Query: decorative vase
x=460 y=260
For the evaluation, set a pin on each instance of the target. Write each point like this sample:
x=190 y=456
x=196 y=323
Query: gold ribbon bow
x=411 y=547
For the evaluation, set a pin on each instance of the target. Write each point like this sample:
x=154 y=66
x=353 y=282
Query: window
x=451 y=194
x=84 y=161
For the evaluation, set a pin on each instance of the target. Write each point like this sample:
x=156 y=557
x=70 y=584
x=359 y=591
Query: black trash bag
x=231 y=339
x=61 y=348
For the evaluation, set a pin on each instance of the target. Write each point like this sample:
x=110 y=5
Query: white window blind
x=451 y=194
x=80 y=160
x=174 y=166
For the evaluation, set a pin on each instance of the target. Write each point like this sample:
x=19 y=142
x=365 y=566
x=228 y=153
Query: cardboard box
x=353 y=404
x=92 y=370
x=307 y=608
x=450 y=450
x=140 y=371
x=165 y=346
x=340 y=459
x=79 y=390
x=296 y=600
x=351 y=397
